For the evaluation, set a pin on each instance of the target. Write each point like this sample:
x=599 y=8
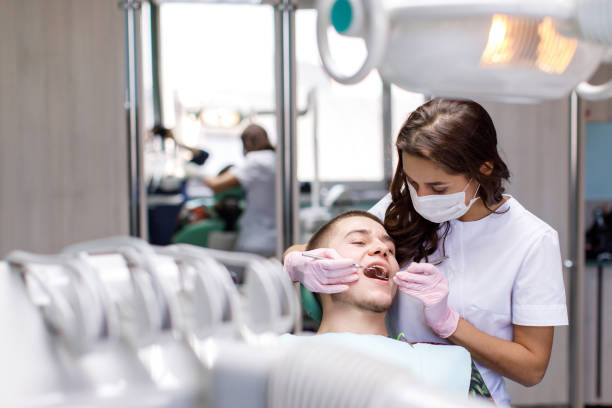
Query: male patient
x=361 y=309
x=356 y=317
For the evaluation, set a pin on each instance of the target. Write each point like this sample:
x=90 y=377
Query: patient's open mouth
x=376 y=272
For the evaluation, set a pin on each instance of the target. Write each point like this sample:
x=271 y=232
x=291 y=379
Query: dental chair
x=221 y=224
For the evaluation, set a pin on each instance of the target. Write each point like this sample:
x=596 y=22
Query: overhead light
x=511 y=50
x=529 y=43
x=220 y=117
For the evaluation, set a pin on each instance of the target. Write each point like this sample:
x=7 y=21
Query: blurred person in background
x=198 y=156
x=256 y=174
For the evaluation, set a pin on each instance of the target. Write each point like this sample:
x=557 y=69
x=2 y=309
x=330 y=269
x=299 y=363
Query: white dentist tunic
x=258 y=223
x=502 y=270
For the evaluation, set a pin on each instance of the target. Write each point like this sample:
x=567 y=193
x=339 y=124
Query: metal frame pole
x=387 y=117
x=284 y=19
x=131 y=110
x=575 y=263
x=158 y=112
x=316 y=181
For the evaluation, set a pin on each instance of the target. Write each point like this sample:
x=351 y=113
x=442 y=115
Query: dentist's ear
x=486 y=168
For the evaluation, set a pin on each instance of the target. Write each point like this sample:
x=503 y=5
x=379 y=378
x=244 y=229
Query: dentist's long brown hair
x=458 y=136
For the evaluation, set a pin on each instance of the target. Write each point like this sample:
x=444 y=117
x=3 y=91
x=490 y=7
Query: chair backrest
x=311 y=304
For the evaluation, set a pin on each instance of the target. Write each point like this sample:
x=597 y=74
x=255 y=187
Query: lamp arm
x=595 y=92
x=375 y=30
x=557 y=9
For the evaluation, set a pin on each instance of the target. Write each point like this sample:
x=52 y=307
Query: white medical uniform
x=258 y=223
x=503 y=269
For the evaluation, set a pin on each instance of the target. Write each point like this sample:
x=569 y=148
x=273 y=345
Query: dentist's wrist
x=290 y=267
x=446 y=326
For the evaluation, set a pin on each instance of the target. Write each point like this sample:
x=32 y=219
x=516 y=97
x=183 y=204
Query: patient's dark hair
x=318 y=239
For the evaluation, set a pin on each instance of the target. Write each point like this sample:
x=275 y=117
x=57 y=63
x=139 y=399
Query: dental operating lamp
x=516 y=50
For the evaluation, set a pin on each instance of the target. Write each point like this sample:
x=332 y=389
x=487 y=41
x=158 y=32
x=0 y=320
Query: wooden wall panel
x=534 y=140
x=63 y=150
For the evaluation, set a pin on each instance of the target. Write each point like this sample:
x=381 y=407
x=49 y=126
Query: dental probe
x=434 y=263
x=353 y=265
x=439 y=261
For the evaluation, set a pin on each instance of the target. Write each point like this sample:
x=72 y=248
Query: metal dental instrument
x=378 y=270
x=439 y=261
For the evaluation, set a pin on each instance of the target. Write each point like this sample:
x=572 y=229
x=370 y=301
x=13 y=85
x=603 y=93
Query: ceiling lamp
x=220 y=117
x=516 y=50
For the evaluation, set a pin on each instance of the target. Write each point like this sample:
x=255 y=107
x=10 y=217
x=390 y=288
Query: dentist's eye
x=412 y=183
x=358 y=243
x=439 y=190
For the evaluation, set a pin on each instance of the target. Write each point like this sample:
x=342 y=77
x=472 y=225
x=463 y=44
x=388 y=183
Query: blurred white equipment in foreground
x=517 y=50
x=119 y=323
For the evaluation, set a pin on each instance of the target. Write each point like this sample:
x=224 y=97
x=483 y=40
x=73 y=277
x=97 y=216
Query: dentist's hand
x=426 y=283
x=329 y=275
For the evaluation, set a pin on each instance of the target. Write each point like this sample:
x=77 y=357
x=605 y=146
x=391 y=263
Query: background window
x=217 y=59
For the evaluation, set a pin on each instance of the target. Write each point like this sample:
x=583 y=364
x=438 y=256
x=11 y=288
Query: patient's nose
x=379 y=248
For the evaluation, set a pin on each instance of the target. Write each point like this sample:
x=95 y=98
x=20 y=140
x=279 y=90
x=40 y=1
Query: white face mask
x=441 y=208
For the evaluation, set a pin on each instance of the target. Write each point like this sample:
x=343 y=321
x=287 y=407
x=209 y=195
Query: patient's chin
x=376 y=306
x=372 y=303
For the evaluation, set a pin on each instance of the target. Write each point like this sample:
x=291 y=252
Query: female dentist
x=498 y=288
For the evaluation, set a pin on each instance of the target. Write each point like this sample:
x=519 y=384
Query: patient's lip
x=378 y=261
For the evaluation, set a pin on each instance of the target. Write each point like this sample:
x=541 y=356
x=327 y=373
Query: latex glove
x=330 y=275
x=426 y=283
x=193 y=170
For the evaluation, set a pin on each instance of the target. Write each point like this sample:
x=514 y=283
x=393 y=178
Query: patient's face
x=367 y=243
